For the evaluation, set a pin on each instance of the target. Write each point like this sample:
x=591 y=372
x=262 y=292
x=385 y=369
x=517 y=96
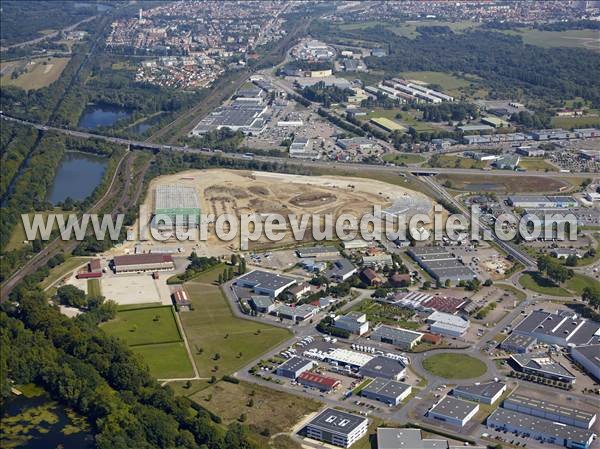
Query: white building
x=336 y=427
x=353 y=322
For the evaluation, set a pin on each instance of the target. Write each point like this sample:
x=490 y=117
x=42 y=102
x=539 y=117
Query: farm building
x=142 y=262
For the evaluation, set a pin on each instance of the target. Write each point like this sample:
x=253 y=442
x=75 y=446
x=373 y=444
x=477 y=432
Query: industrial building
x=440 y=264
x=378 y=260
x=453 y=411
x=485 y=393
x=427 y=303
x=518 y=343
x=357 y=144
x=142 y=262
x=384 y=367
x=294 y=366
x=353 y=322
x=178 y=204
x=93 y=270
x=265 y=282
x=541 y=365
x=301 y=313
x=589 y=358
x=548 y=410
x=239 y=115
x=540 y=429
x=542 y=201
x=563 y=328
x=262 y=304
x=342 y=269
x=402 y=338
x=301 y=148
x=387 y=391
x=318 y=252
x=447 y=324
x=313 y=380
x=393 y=438
x=351 y=359
x=336 y=427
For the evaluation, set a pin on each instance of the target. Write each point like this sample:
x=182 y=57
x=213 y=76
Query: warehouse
x=357 y=144
x=495 y=122
x=342 y=269
x=453 y=411
x=344 y=357
x=392 y=438
x=518 y=343
x=548 y=410
x=336 y=427
x=540 y=429
x=318 y=252
x=385 y=367
x=177 y=205
x=322 y=383
x=387 y=391
x=301 y=313
x=542 y=365
x=262 y=304
x=446 y=324
x=265 y=282
x=486 y=393
x=541 y=201
x=244 y=116
x=440 y=264
x=563 y=328
x=475 y=128
x=301 y=148
x=143 y=262
x=353 y=322
x=402 y=338
x=378 y=260
x=293 y=367
x=589 y=358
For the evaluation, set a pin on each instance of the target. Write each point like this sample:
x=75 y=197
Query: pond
x=77 y=176
x=98 y=115
x=142 y=127
x=34 y=421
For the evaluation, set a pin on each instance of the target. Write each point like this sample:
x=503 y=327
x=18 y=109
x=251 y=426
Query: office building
x=392 y=438
x=353 y=322
x=336 y=427
x=294 y=366
x=453 y=411
x=402 y=338
x=485 y=393
x=387 y=391
x=265 y=282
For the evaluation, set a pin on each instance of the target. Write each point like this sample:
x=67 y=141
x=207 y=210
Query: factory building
x=563 y=328
x=446 y=324
x=301 y=313
x=393 y=438
x=485 y=393
x=142 y=262
x=541 y=365
x=265 y=282
x=402 y=338
x=541 y=201
x=294 y=366
x=262 y=304
x=440 y=264
x=336 y=427
x=245 y=115
x=318 y=252
x=453 y=411
x=384 y=367
x=387 y=391
x=378 y=260
x=178 y=205
x=345 y=357
x=550 y=411
x=540 y=429
x=353 y=322
x=518 y=343
x=342 y=269
x=589 y=358
x=313 y=380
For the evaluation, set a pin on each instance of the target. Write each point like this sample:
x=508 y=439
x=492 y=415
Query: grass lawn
x=537 y=283
x=63 y=269
x=576 y=122
x=536 y=163
x=38 y=73
x=211 y=329
x=447 y=161
x=144 y=326
x=93 y=287
x=166 y=360
x=454 y=366
x=264 y=408
x=579 y=282
x=403 y=158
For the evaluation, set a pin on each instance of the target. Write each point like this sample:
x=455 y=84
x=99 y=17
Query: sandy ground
x=255 y=193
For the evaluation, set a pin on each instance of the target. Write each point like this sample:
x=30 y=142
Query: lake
x=77 y=176
x=98 y=115
x=142 y=127
x=38 y=422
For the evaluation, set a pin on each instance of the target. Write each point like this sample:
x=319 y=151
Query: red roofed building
x=182 y=301
x=446 y=304
x=94 y=270
x=400 y=280
x=431 y=338
x=371 y=277
x=143 y=262
x=313 y=380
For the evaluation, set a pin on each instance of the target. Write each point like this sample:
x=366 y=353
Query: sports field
x=33 y=74
x=454 y=366
x=220 y=342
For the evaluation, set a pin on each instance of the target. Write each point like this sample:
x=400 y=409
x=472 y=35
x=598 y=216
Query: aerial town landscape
x=300 y=224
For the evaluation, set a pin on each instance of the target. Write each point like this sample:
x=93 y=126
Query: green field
x=535 y=282
x=17 y=237
x=93 y=287
x=454 y=366
x=220 y=342
x=403 y=158
x=37 y=73
x=504 y=184
x=579 y=282
x=589 y=39
x=144 y=326
x=409 y=29
x=446 y=81
x=447 y=161
x=166 y=360
x=536 y=163
x=584 y=121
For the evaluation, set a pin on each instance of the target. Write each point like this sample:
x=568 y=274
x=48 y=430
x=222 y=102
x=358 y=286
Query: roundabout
x=449 y=365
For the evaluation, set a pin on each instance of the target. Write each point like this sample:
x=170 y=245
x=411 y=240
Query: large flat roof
x=176 y=196
x=542 y=362
x=386 y=387
x=266 y=279
x=486 y=390
x=563 y=325
x=384 y=367
x=454 y=408
x=521 y=400
x=539 y=425
x=137 y=259
x=590 y=352
x=295 y=363
x=336 y=421
x=395 y=333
